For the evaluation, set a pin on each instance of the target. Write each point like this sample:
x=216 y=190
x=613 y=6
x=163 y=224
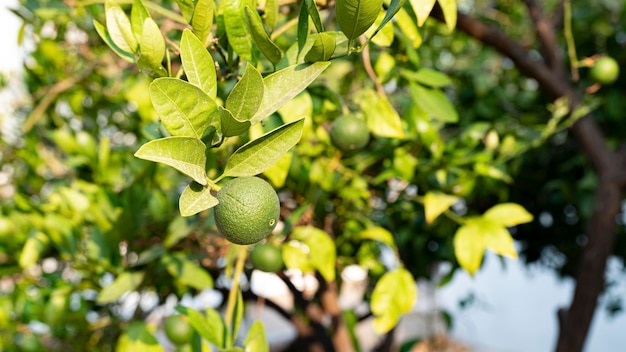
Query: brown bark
x=608 y=165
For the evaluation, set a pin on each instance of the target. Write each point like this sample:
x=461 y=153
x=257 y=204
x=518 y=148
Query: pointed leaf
x=449 y=12
x=382 y=119
x=469 y=246
x=508 y=214
x=315 y=15
x=303 y=26
x=260 y=37
x=379 y=234
x=125 y=282
x=271 y=13
x=394 y=295
x=427 y=77
x=138 y=15
x=106 y=37
x=435 y=103
x=422 y=9
x=435 y=203
x=382 y=36
x=322 y=252
x=394 y=7
x=185 y=109
x=195 y=198
x=245 y=98
x=236 y=30
x=187 y=272
x=186 y=8
x=230 y=126
x=283 y=85
x=356 y=16
x=198 y=64
x=120 y=28
x=211 y=327
x=185 y=154
x=202 y=19
x=152 y=44
x=255 y=340
x=295 y=256
x=277 y=173
x=407 y=25
x=498 y=239
x=256 y=156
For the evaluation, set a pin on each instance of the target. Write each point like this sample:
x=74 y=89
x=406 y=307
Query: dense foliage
x=140 y=111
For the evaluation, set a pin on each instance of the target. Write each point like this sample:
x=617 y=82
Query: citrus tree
x=167 y=140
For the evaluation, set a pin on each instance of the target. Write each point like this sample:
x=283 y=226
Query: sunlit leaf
x=255 y=340
x=198 y=64
x=187 y=272
x=211 y=327
x=378 y=234
x=395 y=294
x=508 y=214
x=422 y=9
x=137 y=337
x=196 y=198
x=322 y=252
x=202 y=19
x=185 y=154
x=125 y=282
x=449 y=12
x=382 y=119
x=435 y=203
x=245 y=98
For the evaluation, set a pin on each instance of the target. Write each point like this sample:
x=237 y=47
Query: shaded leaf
x=434 y=103
x=138 y=15
x=236 y=30
x=211 y=327
x=137 y=337
x=356 y=16
x=323 y=48
x=392 y=10
x=231 y=126
x=106 y=37
x=245 y=98
x=187 y=272
x=195 y=198
x=427 y=77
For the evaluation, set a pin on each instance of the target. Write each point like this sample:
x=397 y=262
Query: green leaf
x=238 y=313
x=186 y=8
x=187 y=272
x=137 y=337
x=394 y=7
x=149 y=255
x=236 y=30
x=256 y=156
x=295 y=256
x=198 y=64
x=378 y=234
x=394 y=295
x=449 y=12
x=303 y=26
x=255 y=340
x=185 y=154
x=176 y=231
x=271 y=13
x=106 y=37
x=427 y=77
x=323 y=48
x=185 y=109
x=152 y=44
x=382 y=119
x=313 y=12
x=407 y=25
x=33 y=248
x=120 y=28
x=434 y=103
x=125 y=282
x=202 y=19
x=492 y=171
x=283 y=85
x=245 y=98
x=260 y=37
x=422 y=9
x=138 y=15
x=195 y=198
x=322 y=252
x=383 y=36
x=211 y=327
x=508 y=214
x=231 y=126
x=435 y=203
x=356 y=16
x=498 y=239
x=277 y=173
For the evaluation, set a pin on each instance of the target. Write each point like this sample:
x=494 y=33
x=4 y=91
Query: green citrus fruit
x=267 y=257
x=178 y=330
x=248 y=210
x=605 y=70
x=349 y=133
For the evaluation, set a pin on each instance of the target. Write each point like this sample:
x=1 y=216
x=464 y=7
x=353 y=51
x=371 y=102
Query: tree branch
x=547 y=38
x=609 y=165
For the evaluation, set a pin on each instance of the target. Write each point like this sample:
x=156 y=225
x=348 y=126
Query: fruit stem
x=232 y=295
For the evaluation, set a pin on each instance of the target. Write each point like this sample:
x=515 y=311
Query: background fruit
x=267 y=257
x=349 y=133
x=178 y=330
x=605 y=70
x=248 y=210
